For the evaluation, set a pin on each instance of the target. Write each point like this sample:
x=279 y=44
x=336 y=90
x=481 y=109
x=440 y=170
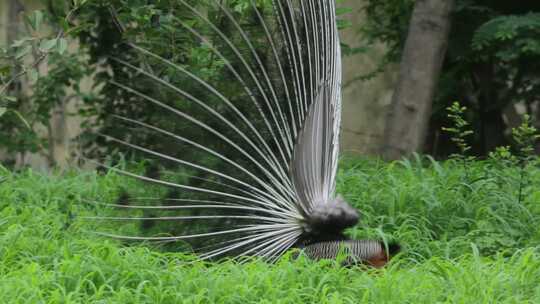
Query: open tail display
x=257 y=158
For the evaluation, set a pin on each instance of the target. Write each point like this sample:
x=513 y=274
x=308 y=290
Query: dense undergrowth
x=468 y=234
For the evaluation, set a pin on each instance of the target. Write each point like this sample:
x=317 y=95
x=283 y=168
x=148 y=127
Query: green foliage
x=430 y=208
x=492 y=62
x=103 y=31
x=461 y=128
x=35 y=47
x=26 y=108
x=59 y=86
x=460 y=134
x=503 y=154
x=511 y=37
x=525 y=136
x=165 y=29
x=459 y=247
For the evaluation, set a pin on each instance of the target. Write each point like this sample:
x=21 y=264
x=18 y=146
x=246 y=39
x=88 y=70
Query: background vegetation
x=490 y=65
x=467 y=238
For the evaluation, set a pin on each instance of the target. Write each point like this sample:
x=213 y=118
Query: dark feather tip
x=153 y=171
x=123 y=199
x=394 y=248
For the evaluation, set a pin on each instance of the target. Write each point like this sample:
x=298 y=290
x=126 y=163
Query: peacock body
x=256 y=159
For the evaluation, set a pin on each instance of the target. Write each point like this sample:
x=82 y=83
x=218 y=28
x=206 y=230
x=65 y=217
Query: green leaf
x=47 y=44
x=3 y=110
x=21 y=42
x=22 y=119
x=5 y=70
x=33 y=75
x=62 y=46
x=23 y=52
x=8 y=98
x=79 y=2
x=35 y=19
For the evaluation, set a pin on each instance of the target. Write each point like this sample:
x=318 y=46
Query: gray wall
x=365 y=102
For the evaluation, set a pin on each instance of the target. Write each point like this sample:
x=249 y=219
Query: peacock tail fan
x=235 y=107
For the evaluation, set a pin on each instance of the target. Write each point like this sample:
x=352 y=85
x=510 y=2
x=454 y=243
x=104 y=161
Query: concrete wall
x=365 y=102
x=3 y=21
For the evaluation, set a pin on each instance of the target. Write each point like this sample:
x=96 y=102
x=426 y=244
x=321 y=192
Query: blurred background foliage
x=491 y=67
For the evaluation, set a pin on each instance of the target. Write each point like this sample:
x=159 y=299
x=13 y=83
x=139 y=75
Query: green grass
x=466 y=238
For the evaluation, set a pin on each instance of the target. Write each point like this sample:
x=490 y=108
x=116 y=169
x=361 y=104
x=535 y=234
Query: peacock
x=255 y=157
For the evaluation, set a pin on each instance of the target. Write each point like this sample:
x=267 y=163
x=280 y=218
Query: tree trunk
x=420 y=68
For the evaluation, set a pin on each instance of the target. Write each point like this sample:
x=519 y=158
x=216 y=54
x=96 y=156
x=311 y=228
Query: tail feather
x=263 y=152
